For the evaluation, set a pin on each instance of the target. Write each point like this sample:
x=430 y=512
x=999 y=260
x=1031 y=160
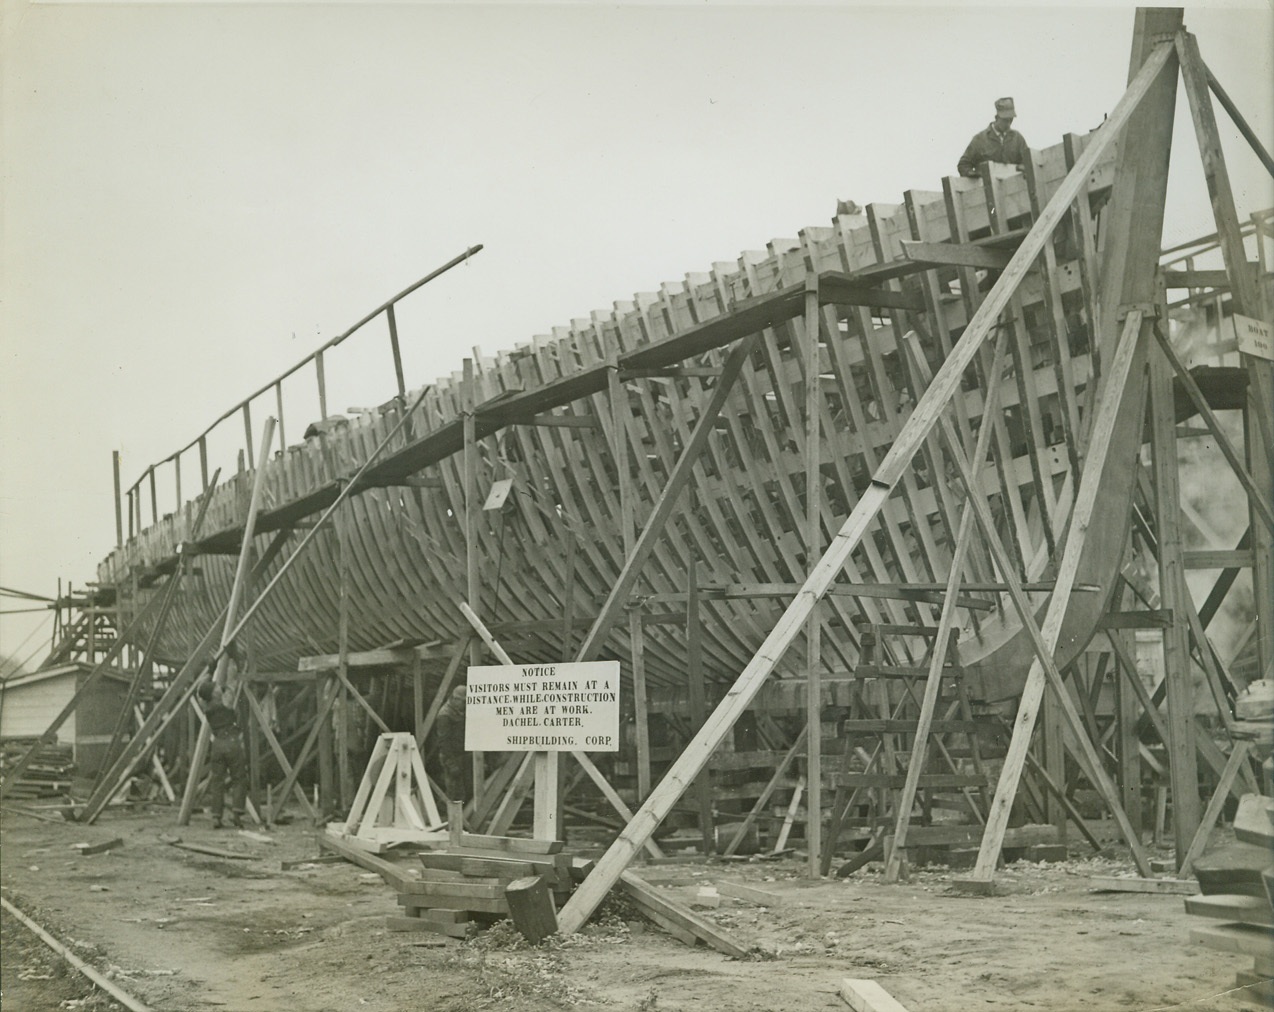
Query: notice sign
x=543 y=707
x=1253 y=337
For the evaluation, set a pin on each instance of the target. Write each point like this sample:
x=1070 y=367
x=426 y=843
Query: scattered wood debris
x=868 y=996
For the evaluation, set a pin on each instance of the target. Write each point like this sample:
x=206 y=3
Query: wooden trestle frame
x=779 y=424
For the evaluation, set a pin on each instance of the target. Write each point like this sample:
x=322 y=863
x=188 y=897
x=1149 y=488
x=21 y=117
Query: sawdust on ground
x=186 y=932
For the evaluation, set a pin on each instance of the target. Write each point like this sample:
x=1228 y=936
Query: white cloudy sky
x=197 y=195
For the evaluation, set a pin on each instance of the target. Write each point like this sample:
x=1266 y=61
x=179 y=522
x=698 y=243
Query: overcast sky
x=196 y=196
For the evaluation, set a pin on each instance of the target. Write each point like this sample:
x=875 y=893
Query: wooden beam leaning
x=1044 y=639
x=112 y=778
x=236 y=592
x=933 y=683
x=922 y=420
x=1255 y=496
x=659 y=516
x=1244 y=128
x=1244 y=298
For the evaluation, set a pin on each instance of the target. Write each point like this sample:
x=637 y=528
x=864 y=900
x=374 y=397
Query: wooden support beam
x=1256 y=497
x=942 y=640
x=916 y=429
x=1182 y=766
x=812 y=359
x=1237 y=117
x=698 y=705
x=953 y=254
x=180 y=688
x=1044 y=639
x=1244 y=299
x=658 y=519
x=1199 y=841
x=263 y=722
x=236 y=592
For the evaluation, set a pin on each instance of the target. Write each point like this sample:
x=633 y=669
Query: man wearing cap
x=999 y=142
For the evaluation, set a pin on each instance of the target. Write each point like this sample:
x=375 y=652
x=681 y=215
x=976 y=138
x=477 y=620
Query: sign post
x=546 y=709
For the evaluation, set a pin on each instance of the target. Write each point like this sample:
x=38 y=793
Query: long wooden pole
x=813 y=547
x=232 y=608
x=174 y=698
x=917 y=427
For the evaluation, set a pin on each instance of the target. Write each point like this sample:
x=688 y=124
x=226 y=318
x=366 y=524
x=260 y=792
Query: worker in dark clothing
x=228 y=764
x=999 y=142
x=449 y=741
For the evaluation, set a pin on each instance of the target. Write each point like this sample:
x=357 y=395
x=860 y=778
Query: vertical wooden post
x=177 y=482
x=813 y=551
x=119 y=506
x=636 y=633
x=321 y=379
x=247 y=438
x=698 y=703
x=471 y=508
x=154 y=496
x=1176 y=647
x=418 y=697
x=1054 y=761
x=278 y=400
x=203 y=462
x=1128 y=711
x=393 y=344
x=341 y=712
x=322 y=715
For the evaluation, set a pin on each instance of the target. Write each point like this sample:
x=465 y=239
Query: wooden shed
x=29 y=703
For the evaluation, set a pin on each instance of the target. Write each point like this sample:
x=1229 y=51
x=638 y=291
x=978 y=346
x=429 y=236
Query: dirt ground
x=183 y=931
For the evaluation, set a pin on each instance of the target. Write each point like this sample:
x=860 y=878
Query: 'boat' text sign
x=543 y=707
x=1253 y=337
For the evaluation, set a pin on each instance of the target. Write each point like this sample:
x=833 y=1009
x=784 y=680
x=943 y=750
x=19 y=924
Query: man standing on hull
x=999 y=142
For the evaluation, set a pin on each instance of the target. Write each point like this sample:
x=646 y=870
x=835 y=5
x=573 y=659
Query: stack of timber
x=49 y=774
x=468 y=886
x=891 y=270
x=1237 y=886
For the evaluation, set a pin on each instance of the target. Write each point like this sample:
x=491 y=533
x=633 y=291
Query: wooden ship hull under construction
x=590 y=421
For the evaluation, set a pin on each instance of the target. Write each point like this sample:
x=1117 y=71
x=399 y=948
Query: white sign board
x=543 y=707
x=1254 y=337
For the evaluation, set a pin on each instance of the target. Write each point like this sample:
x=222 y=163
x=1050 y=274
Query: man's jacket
x=989 y=146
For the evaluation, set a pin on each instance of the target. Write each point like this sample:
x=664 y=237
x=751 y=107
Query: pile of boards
x=49 y=774
x=1236 y=883
x=486 y=879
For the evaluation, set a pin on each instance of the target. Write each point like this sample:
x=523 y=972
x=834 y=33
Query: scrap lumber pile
x=475 y=882
x=48 y=775
x=1237 y=885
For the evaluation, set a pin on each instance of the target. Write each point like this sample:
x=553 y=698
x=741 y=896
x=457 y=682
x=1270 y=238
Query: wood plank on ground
x=752 y=894
x=650 y=897
x=393 y=875
x=869 y=996
x=1117 y=884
